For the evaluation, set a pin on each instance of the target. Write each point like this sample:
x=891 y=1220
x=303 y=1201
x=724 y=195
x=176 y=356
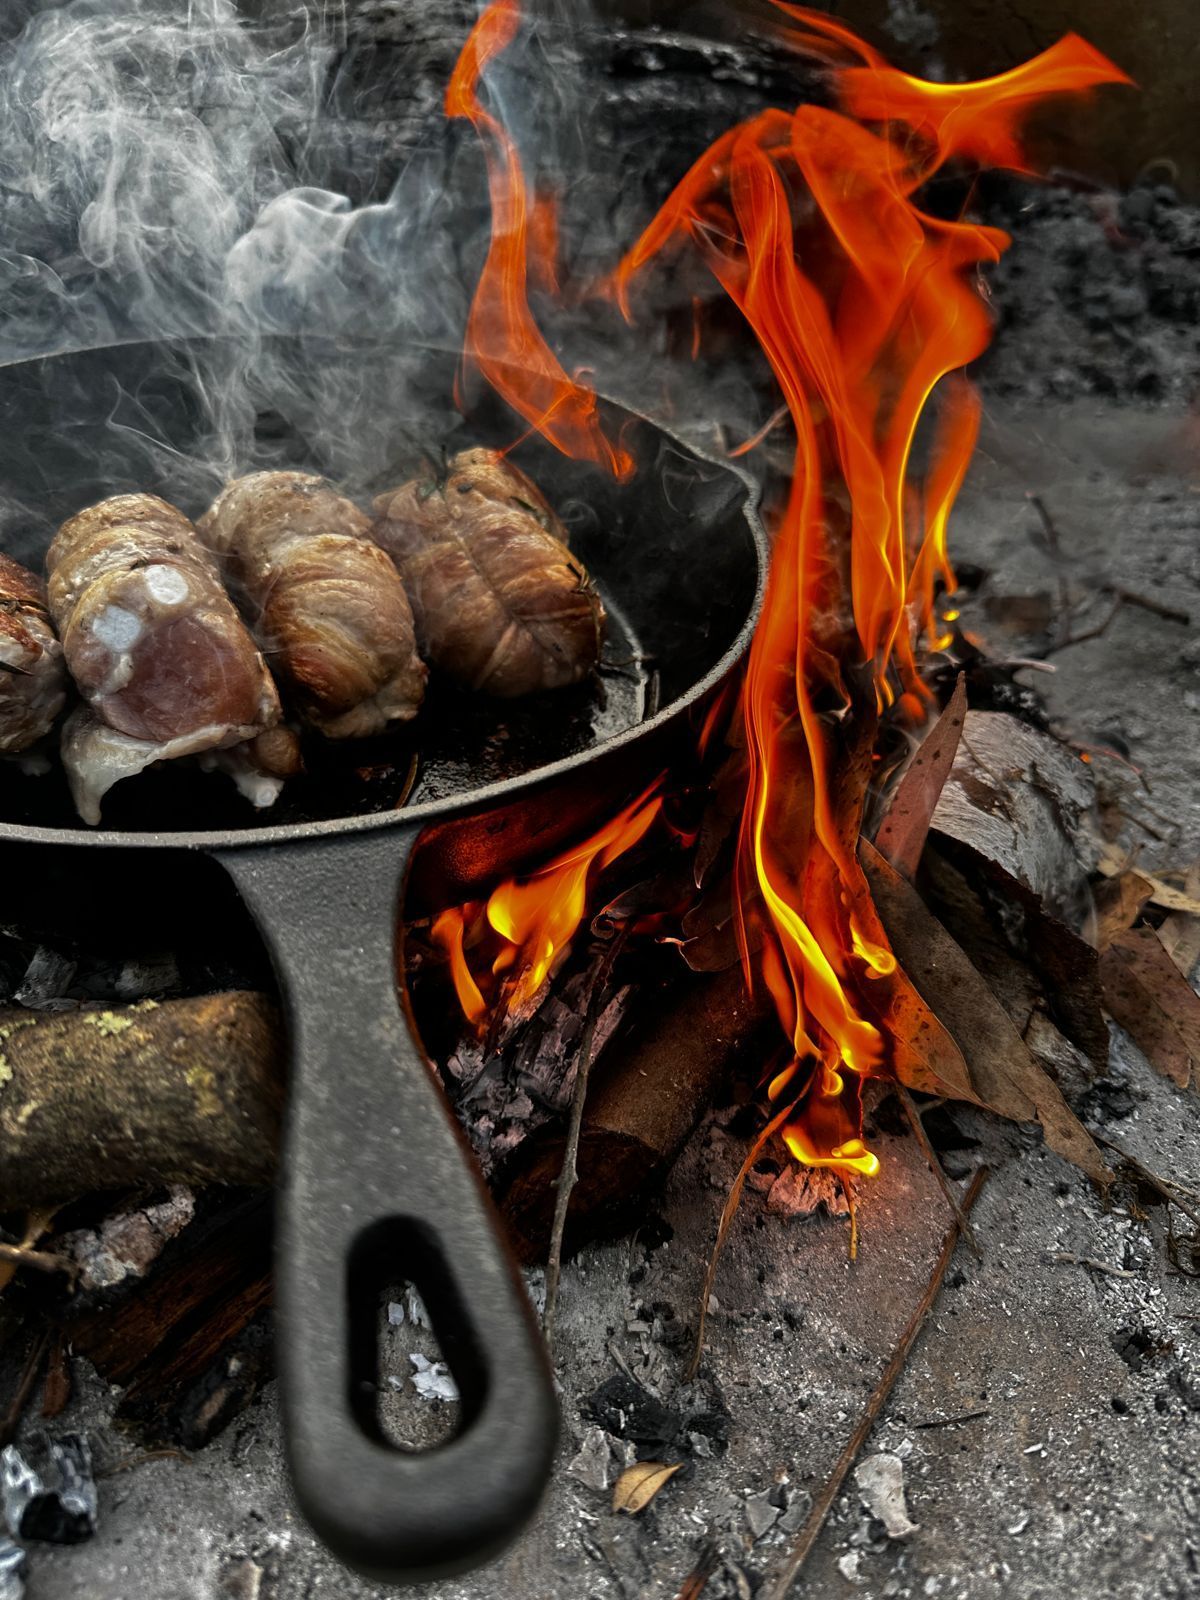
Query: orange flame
x=502 y=950
x=862 y=303
x=502 y=339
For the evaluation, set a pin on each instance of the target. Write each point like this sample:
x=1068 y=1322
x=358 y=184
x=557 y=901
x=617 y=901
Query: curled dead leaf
x=902 y=834
x=1003 y=1074
x=638 y=1485
x=1149 y=996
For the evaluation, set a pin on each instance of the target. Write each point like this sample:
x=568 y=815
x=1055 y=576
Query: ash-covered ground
x=1048 y=1423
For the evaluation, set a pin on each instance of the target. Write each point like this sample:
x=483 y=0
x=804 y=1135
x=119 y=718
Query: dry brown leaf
x=1004 y=1074
x=1119 y=903
x=638 y=1485
x=902 y=834
x=1172 y=898
x=1155 y=1004
x=1180 y=932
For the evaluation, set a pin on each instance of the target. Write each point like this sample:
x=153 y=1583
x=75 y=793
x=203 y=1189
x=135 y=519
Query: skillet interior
x=674 y=552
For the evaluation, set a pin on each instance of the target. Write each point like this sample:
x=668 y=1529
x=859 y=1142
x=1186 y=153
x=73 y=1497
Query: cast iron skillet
x=377 y=1186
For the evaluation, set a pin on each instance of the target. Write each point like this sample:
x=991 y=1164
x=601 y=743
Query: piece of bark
x=903 y=832
x=1180 y=932
x=1005 y=1076
x=1152 y=1000
x=1012 y=818
x=192 y=1346
x=187 y=1091
x=501 y=604
x=639 y=1112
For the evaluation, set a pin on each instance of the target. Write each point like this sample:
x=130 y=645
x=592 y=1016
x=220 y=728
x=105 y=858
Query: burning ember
x=864 y=304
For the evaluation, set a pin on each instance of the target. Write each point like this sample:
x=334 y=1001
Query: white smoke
x=237 y=236
x=205 y=304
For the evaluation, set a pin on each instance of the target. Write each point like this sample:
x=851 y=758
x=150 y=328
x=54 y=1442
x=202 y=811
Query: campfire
x=571 y=597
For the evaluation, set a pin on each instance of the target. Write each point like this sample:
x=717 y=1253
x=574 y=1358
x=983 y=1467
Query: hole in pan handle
x=378 y=1186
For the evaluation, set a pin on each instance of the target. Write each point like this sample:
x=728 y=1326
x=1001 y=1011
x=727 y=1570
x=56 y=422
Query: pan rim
x=470 y=799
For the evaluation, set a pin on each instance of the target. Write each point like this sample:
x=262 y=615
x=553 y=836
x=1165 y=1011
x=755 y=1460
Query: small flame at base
x=503 y=949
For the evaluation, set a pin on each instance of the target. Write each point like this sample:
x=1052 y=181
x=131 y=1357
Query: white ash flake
x=880 y=1481
x=432 y=1379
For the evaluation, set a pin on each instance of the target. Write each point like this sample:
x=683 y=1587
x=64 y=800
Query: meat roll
x=160 y=655
x=33 y=678
x=501 y=604
x=326 y=604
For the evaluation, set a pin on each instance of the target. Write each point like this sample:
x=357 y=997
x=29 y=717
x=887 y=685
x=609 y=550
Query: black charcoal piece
x=624 y=1408
x=13 y=1568
x=48 y=1488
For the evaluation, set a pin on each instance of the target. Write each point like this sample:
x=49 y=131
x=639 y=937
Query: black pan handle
x=378 y=1188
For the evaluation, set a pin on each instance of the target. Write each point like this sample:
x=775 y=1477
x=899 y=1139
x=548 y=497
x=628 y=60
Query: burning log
x=189 y=1091
x=638 y=1115
x=330 y=608
x=157 y=650
x=33 y=680
x=501 y=604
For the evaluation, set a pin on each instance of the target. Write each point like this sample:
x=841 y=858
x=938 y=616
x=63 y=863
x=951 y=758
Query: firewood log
x=186 y=1091
x=501 y=604
x=326 y=604
x=190 y=1091
x=33 y=679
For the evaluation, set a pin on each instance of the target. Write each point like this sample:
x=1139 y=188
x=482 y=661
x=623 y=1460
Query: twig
x=1091 y=1261
x=697 y=1579
x=732 y=1200
x=39 y=1260
x=569 y=1175
x=822 y=1505
x=950 y=1422
x=11 y=1419
x=935 y=1166
x=1121 y=595
x=1167 y=1187
x=1159 y=608
x=1050 y=528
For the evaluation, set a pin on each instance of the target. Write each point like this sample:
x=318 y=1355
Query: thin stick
x=11 y=1419
x=949 y=1192
x=697 y=1579
x=21 y=1256
x=569 y=1175
x=732 y=1201
x=1072 y=1259
x=1049 y=527
x=822 y=1505
x=1167 y=1187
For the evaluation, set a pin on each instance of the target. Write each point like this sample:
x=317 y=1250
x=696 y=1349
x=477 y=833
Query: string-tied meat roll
x=164 y=663
x=501 y=604
x=326 y=604
x=33 y=678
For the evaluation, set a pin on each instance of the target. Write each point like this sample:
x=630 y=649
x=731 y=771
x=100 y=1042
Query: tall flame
x=862 y=303
x=503 y=340
x=502 y=950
